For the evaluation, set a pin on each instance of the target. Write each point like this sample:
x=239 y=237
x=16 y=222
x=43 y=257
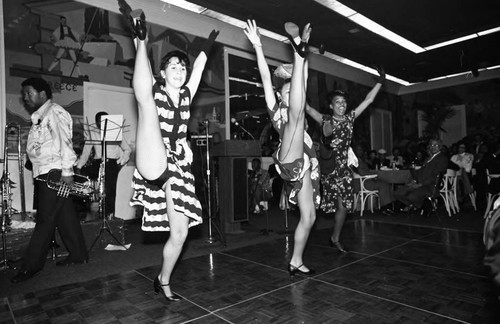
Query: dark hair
x=335 y=93
x=99 y=115
x=180 y=55
x=39 y=85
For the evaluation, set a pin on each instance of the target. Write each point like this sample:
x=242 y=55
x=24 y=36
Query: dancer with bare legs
x=295 y=157
x=163 y=182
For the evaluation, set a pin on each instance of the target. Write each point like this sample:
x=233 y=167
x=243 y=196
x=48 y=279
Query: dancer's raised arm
x=372 y=94
x=199 y=63
x=252 y=33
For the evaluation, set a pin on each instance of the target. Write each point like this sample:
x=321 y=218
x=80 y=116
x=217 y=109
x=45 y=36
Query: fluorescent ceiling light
x=489 y=31
x=370 y=25
x=350 y=14
x=386 y=33
x=493 y=67
x=453 y=41
x=186 y=5
x=367 y=23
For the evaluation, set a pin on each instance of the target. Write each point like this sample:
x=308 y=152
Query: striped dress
x=173 y=123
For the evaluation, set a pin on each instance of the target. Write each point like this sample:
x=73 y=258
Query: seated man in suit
x=422 y=182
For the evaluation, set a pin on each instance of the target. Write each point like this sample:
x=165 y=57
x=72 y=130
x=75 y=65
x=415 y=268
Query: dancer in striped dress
x=163 y=182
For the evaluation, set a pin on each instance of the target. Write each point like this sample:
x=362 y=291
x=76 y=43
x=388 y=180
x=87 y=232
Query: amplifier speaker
x=233 y=191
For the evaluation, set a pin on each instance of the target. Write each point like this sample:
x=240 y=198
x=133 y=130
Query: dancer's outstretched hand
x=252 y=32
x=306 y=33
x=213 y=35
x=381 y=74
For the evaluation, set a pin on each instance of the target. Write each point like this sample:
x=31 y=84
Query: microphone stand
x=210 y=239
x=244 y=129
x=102 y=192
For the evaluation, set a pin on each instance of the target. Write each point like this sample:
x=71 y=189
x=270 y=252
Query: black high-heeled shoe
x=138 y=27
x=157 y=287
x=337 y=245
x=292 y=32
x=292 y=270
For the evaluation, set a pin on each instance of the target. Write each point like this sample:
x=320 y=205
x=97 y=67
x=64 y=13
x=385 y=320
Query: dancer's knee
x=178 y=236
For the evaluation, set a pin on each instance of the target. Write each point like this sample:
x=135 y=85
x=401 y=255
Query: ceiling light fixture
x=355 y=17
x=372 y=26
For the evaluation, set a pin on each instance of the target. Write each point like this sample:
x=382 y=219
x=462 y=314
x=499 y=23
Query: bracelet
x=257 y=45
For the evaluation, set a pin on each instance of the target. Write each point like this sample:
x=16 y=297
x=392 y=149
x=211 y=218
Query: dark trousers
x=416 y=196
x=111 y=176
x=54 y=211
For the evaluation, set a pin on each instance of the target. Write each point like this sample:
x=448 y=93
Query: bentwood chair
x=491 y=195
x=364 y=194
x=489 y=224
x=434 y=196
x=448 y=192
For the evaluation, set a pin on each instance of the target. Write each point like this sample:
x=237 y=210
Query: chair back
x=438 y=184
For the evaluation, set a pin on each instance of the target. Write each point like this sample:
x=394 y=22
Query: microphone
x=236 y=123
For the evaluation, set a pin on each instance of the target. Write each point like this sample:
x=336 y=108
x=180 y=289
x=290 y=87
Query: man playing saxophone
x=50 y=147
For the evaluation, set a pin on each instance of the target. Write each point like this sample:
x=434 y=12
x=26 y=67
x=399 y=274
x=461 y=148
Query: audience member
x=372 y=160
x=422 y=182
x=463 y=161
x=396 y=159
x=382 y=158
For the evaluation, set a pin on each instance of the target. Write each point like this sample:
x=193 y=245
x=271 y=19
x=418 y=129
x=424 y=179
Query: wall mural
x=94 y=46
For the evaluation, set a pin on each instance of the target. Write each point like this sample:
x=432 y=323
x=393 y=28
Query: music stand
x=105 y=136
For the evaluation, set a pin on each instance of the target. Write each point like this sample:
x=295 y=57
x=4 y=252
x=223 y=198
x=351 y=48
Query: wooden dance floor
x=394 y=273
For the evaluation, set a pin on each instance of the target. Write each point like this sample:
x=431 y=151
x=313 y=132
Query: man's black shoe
x=23 y=275
x=67 y=262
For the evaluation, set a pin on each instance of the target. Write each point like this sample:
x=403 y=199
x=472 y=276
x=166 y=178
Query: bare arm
x=196 y=73
x=371 y=95
x=253 y=36
x=316 y=115
x=200 y=62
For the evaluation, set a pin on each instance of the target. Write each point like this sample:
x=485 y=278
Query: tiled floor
x=393 y=273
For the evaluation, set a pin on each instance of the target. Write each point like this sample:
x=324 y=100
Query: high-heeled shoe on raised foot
x=292 y=31
x=292 y=270
x=157 y=287
x=138 y=27
x=337 y=245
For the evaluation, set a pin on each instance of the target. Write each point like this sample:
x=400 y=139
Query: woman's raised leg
x=151 y=158
x=293 y=134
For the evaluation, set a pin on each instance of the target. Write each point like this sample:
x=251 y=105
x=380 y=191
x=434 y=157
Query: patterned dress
x=294 y=172
x=338 y=183
x=173 y=124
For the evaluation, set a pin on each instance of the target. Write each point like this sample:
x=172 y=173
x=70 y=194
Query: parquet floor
x=394 y=273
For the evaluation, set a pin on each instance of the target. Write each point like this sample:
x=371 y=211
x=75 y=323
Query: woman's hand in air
x=252 y=32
